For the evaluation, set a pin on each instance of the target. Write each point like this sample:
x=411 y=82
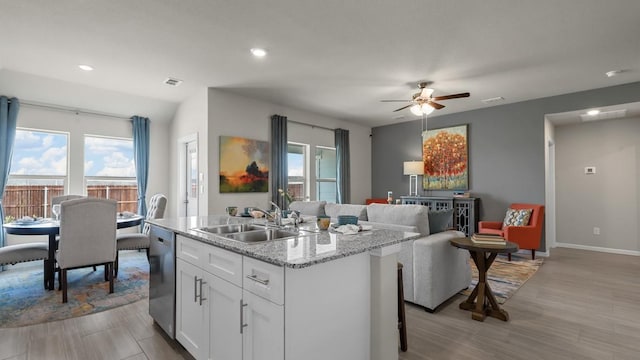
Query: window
x=297 y=165
x=109 y=171
x=38 y=173
x=326 y=169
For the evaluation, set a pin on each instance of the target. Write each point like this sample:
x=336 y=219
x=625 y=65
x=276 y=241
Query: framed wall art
x=445 y=154
x=244 y=165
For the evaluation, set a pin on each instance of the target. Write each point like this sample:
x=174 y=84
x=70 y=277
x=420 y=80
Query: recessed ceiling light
x=258 y=52
x=613 y=73
x=493 y=99
x=593 y=112
x=85 y=67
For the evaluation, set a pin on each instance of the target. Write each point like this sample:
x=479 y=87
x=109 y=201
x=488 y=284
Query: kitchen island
x=318 y=295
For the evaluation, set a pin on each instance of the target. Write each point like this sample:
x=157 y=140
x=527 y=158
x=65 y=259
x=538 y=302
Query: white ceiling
x=333 y=57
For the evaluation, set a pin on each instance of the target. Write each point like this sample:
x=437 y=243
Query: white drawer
x=191 y=251
x=263 y=279
x=225 y=264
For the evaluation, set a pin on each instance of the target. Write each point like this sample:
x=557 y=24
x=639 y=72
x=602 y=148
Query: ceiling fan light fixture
x=426 y=108
x=416 y=110
x=426 y=93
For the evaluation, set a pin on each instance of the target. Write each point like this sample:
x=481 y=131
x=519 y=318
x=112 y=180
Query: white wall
x=608 y=199
x=550 y=185
x=234 y=115
x=190 y=119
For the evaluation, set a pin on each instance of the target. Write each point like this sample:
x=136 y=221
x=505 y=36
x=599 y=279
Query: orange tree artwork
x=445 y=157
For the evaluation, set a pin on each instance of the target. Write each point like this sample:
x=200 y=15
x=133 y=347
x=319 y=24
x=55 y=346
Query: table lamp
x=413 y=169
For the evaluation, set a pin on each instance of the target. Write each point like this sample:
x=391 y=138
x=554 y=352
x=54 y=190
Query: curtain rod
x=77 y=111
x=313 y=126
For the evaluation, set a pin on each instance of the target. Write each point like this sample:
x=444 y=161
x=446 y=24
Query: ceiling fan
x=423 y=103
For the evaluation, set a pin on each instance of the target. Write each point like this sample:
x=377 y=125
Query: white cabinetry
x=191 y=321
x=215 y=317
x=263 y=316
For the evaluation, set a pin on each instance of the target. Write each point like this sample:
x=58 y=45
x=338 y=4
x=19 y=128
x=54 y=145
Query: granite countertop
x=307 y=249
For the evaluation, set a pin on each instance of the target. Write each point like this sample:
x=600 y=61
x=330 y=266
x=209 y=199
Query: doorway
x=188 y=175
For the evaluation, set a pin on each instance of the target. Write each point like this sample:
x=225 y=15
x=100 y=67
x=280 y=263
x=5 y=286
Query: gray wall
x=607 y=199
x=506 y=147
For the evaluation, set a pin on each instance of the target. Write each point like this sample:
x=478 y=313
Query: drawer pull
x=242 y=324
x=195 y=289
x=202 y=298
x=255 y=278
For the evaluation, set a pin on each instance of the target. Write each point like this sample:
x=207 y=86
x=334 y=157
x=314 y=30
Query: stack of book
x=488 y=239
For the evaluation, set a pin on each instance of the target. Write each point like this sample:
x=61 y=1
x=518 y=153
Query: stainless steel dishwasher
x=162 y=282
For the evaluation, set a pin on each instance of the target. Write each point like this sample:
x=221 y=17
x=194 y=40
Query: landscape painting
x=445 y=156
x=244 y=165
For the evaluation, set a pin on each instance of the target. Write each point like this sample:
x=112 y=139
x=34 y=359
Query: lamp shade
x=413 y=168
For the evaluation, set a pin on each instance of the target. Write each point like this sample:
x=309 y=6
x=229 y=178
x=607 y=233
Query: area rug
x=23 y=300
x=505 y=277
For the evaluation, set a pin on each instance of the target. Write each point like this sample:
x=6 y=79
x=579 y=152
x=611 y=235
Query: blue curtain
x=343 y=177
x=279 y=166
x=8 y=120
x=141 y=157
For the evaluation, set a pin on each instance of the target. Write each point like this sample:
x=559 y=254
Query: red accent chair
x=376 y=201
x=527 y=237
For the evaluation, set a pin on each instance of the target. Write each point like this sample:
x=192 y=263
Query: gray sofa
x=433 y=270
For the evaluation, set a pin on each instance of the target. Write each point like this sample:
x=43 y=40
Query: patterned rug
x=506 y=277
x=23 y=300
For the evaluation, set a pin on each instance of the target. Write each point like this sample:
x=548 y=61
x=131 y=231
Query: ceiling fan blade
x=395 y=100
x=453 y=96
x=402 y=108
x=435 y=105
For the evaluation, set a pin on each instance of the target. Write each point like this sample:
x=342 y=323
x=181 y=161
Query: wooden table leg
x=482 y=302
x=50 y=264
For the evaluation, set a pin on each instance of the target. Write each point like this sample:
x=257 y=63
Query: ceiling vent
x=172 y=81
x=492 y=100
x=605 y=115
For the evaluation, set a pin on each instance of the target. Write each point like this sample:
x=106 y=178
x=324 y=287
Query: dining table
x=51 y=227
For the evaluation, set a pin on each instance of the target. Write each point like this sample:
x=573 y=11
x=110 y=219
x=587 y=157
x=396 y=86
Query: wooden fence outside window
x=35 y=200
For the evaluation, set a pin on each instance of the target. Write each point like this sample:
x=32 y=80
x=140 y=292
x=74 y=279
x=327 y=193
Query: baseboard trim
x=598 y=249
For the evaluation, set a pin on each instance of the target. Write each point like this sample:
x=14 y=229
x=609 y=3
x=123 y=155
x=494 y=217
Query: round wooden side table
x=482 y=302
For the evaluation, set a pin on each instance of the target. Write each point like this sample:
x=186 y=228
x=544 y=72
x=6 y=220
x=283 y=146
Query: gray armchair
x=136 y=241
x=87 y=237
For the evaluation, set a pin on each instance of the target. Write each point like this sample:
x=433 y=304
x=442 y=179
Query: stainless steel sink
x=229 y=228
x=261 y=235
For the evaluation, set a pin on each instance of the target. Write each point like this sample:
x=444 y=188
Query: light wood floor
x=580 y=305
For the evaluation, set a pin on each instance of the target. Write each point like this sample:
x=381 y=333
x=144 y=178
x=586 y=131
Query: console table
x=465 y=213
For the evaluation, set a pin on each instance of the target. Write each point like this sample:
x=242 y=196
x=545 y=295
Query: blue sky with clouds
x=40 y=153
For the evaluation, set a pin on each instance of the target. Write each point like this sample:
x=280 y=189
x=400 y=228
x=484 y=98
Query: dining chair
x=137 y=241
x=87 y=237
x=59 y=199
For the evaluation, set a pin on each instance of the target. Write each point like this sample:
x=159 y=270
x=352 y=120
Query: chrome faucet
x=277 y=218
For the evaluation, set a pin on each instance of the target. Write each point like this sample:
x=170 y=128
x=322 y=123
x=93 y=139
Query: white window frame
x=87 y=179
x=304 y=179
x=319 y=179
x=48 y=178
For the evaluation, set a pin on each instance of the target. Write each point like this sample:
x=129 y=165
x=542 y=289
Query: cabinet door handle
x=255 y=278
x=202 y=298
x=195 y=289
x=242 y=324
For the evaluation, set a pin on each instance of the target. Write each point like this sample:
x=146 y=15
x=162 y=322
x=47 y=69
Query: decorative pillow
x=439 y=220
x=517 y=217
